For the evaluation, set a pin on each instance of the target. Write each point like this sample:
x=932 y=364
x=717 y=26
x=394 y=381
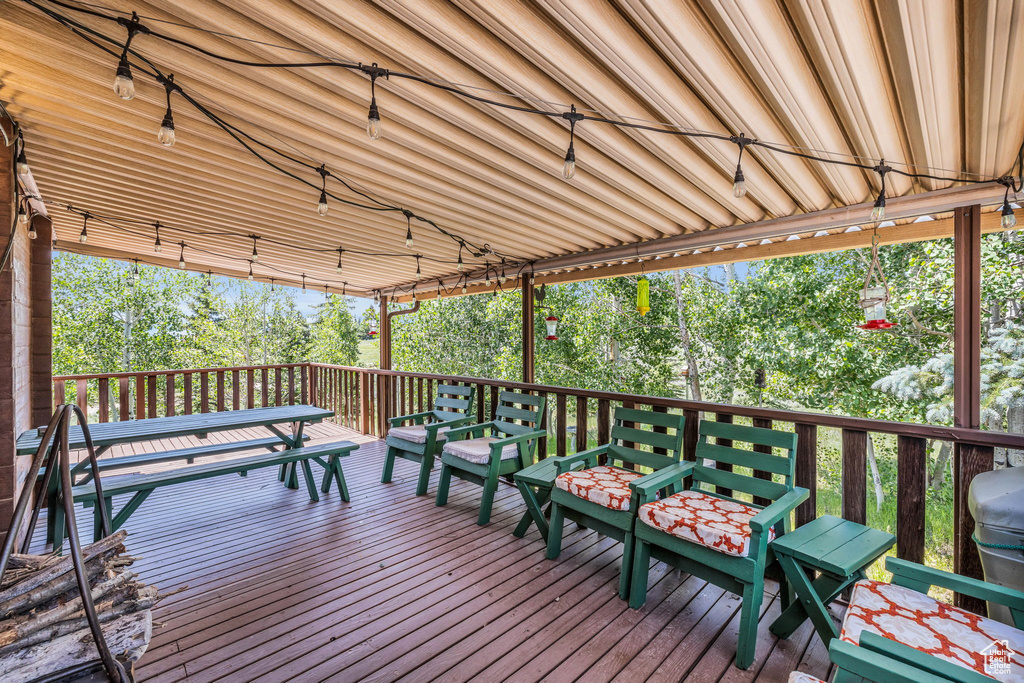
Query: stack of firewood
x=43 y=628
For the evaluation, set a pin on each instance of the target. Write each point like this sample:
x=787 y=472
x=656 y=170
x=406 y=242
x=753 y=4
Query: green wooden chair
x=711 y=533
x=422 y=440
x=471 y=454
x=598 y=496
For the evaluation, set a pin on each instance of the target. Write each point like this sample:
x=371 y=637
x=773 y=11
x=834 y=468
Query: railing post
x=911 y=458
x=169 y=395
x=314 y=377
x=561 y=414
x=727 y=419
x=807 y=470
x=761 y=448
x=855 y=474
x=124 y=398
x=104 y=399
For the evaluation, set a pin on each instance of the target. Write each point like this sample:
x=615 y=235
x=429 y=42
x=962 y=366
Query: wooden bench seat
x=326 y=455
x=187 y=454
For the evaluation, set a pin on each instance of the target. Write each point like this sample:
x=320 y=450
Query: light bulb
x=373 y=128
x=878 y=212
x=124 y=86
x=487 y=282
x=23 y=168
x=22 y=215
x=322 y=207
x=250 y=275
x=461 y=266
x=408 y=237
x=181 y=263
x=83 y=238
x=166 y=134
x=255 y=255
x=156 y=246
x=463 y=289
x=739 y=185
x=569 y=167
x=1008 y=219
x=32 y=234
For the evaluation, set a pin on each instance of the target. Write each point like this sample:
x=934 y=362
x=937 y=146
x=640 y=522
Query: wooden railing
x=363 y=399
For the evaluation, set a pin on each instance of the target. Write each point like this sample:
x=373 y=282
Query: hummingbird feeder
x=875 y=296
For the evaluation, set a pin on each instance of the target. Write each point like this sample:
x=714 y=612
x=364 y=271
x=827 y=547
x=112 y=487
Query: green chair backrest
x=526 y=408
x=783 y=464
x=628 y=427
x=453 y=401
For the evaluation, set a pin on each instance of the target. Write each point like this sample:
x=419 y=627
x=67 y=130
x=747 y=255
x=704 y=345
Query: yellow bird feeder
x=643 y=296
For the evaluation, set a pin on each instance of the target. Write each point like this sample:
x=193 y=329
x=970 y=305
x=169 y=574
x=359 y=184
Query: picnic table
x=285 y=423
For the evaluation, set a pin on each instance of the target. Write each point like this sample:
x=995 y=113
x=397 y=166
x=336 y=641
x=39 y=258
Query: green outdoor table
x=535 y=484
x=286 y=423
x=840 y=551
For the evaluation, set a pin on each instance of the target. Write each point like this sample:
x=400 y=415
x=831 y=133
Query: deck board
x=390 y=587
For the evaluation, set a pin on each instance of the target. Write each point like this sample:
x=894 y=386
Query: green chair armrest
x=434 y=426
x=518 y=438
x=589 y=457
x=921 y=663
x=920 y=578
x=416 y=417
x=649 y=484
x=882 y=665
x=780 y=509
x=459 y=432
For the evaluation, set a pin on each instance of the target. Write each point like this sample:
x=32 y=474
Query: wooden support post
x=855 y=474
x=968 y=460
x=529 y=336
x=384 y=335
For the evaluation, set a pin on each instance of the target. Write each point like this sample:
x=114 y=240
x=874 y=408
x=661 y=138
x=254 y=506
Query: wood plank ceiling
x=932 y=83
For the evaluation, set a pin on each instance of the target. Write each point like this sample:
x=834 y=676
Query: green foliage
x=334 y=334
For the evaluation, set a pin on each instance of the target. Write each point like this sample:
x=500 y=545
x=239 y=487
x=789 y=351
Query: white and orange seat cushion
x=416 y=433
x=801 y=677
x=934 y=627
x=606 y=486
x=695 y=516
x=479 y=450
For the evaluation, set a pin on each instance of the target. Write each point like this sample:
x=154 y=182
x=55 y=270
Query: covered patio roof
x=926 y=86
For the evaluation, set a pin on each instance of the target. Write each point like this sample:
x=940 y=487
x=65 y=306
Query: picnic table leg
x=291 y=475
x=97 y=517
x=307 y=474
x=534 y=510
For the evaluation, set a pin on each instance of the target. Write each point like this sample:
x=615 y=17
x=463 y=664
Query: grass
x=369 y=355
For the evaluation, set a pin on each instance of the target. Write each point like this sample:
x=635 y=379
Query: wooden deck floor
x=389 y=587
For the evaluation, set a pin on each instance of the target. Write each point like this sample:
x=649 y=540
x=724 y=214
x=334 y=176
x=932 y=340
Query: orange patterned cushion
x=607 y=486
x=948 y=632
x=721 y=525
x=801 y=677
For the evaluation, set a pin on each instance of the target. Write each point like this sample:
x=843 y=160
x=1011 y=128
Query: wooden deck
x=389 y=587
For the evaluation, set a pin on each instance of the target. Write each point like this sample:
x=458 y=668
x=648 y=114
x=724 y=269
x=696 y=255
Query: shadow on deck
x=390 y=587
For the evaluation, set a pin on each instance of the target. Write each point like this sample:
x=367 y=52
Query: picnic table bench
x=327 y=455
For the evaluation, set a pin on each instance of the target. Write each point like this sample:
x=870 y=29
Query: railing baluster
x=151 y=410
x=250 y=388
x=140 y=397
x=759 y=448
x=278 y=379
x=104 y=399
x=204 y=392
x=582 y=418
x=82 y=395
x=169 y=397
x=603 y=425
x=220 y=391
x=265 y=387
x=60 y=393
x=542 y=442
x=855 y=475
x=969 y=460
x=419 y=392
x=726 y=418
x=236 y=390
x=911 y=460
x=123 y=398
x=658 y=429
x=561 y=414
x=303 y=387
x=187 y=387
x=807 y=470
x=291 y=385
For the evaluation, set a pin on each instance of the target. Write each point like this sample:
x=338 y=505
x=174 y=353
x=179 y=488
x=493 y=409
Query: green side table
x=840 y=551
x=535 y=484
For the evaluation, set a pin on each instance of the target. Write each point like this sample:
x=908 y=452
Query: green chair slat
x=446 y=415
x=638 y=457
x=456 y=403
x=454 y=390
x=511 y=428
x=649 y=417
x=654 y=439
x=758 y=435
x=751 y=459
x=510 y=413
x=521 y=399
x=738 y=482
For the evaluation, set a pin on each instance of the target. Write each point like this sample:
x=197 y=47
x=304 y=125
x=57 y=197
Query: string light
x=321 y=207
x=255 y=258
x=250 y=272
x=419 y=275
x=83 y=236
x=209 y=278
x=166 y=134
x=569 y=167
x=124 y=84
x=373 y=127
x=181 y=256
x=135 y=269
x=1007 y=219
x=156 y=245
x=878 y=212
x=271 y=284
x=340 y=251
x=739 y=185
x=408 y=228
x=303 y=282
x=22 y=161
x=460 y=266
x=22 y=214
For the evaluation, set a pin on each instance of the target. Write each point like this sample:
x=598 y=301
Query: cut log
x=109 y=546
x=40 y=595
x=127 y=636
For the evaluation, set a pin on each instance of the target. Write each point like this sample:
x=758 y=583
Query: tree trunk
x=876 y=479
x=684 y=338
x=1015 y=425
x=938 y=474
x=995 y=424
